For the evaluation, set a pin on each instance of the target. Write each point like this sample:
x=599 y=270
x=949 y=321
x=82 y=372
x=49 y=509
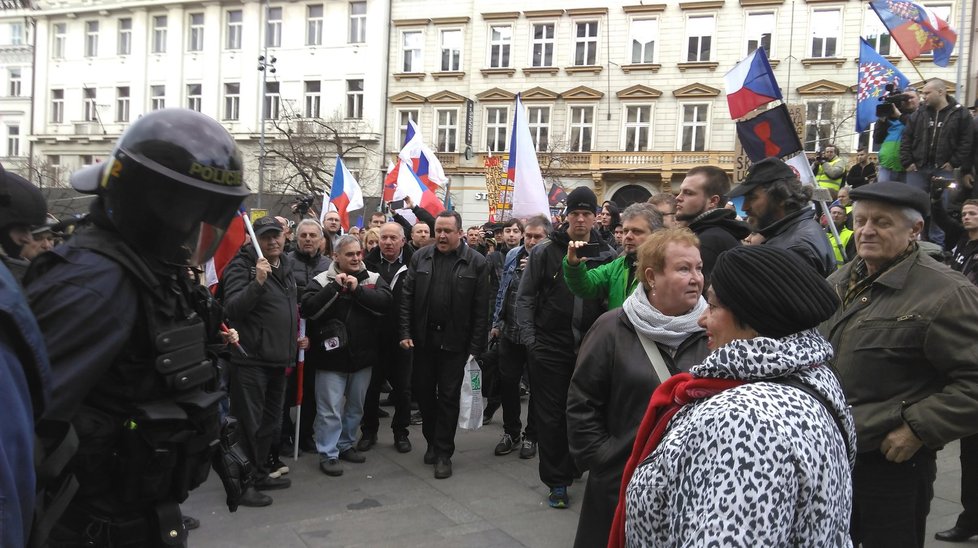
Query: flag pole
x=251 y=232
x=299 y=370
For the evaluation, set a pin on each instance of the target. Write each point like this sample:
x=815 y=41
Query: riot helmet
x=171 y=186
x=22 y=206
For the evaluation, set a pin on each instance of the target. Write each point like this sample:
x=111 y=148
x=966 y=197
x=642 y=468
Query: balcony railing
x=639 y=162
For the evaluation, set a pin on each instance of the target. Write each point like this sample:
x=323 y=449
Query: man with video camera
x=892 y=115
x=935 y=142
x=829 y=168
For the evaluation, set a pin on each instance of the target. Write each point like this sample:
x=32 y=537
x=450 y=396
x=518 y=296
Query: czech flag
x=390 y=181
x=422 y=159
x=409 y=185
x=917 y=30
x=750 y=84
x=233 y=239
x=529 y=192
x=345 y=194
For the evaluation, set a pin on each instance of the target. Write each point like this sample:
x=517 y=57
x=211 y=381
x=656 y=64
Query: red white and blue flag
x=390 y=181
x=422 y=159
x=234 y=238
x=874 y=73
x=409 y=185
x=917 y=30
x=750 y=84
x=529 y=192
x=345 y=195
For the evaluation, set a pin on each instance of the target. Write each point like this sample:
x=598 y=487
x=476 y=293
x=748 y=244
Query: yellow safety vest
x=845 y=235
x=824 y=181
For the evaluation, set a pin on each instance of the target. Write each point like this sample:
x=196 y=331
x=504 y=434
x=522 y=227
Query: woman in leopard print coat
x=764 y=463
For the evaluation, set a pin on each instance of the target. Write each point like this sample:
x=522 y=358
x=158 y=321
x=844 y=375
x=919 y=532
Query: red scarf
x=667 y=399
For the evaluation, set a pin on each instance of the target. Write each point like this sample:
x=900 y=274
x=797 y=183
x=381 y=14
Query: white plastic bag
x=470 y=406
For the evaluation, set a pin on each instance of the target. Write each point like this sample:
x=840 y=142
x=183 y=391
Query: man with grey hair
x=513 y=355
x=905 y=339
x=615 y=280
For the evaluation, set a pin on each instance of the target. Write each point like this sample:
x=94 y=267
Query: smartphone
x=396 y=204
x=589 y=250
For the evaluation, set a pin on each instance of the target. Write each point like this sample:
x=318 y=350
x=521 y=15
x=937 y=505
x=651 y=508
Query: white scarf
x=668 y=330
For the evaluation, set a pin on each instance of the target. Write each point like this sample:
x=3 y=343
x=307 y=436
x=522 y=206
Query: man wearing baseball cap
x=905 y=340
x=779 y=207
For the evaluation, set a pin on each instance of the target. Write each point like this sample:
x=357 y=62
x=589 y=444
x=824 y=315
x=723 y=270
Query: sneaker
x=528 y=449
x=352 y=455
x=558 y=497
x=190 y=523
x=330 y=467
x=276 y=467
x=505 y=445
x=416 y=418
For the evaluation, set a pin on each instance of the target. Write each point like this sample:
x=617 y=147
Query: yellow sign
x=256 y=214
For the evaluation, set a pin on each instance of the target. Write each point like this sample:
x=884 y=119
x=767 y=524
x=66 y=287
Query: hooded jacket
x=718 y=230
x=762 y=464
x=800 y=233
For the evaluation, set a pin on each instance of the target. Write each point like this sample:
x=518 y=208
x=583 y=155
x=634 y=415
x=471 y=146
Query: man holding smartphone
x=552 y=321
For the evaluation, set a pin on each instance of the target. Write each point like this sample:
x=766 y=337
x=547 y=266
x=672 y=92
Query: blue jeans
x=337 y=421
x=920 y=179
x=886 y=174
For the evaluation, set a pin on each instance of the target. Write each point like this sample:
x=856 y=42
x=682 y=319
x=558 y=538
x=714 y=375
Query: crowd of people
x=720 y=381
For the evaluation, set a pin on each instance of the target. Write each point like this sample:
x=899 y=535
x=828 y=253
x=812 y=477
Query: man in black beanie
x=552 y=322
x=905 y=341
x=779 y=208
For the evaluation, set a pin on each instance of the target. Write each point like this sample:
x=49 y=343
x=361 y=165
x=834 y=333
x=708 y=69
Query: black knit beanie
x=772 y=290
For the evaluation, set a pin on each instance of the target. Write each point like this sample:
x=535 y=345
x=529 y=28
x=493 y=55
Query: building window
x=451 y=50
x=581 y=128
x=86 y=159
x=157 y=97
x=538 y=118
x=876 y=33
x=695 y=124
x=124 y=47
x=760 y=29
x=638 y=128
x=54 y=160
x=403 y=117
x=57 y=106
x=313 y=98
x=89 y=105
x=446 y=130
x=15 y=81
x=643 y=34
x=699 y=41
x=91 y=38
x=825 y=32
x=273 y=28
x=195 y=40
x=232 y=101
x=193 y=97
x=122 y=104
x=273 y=101
x=234 y=24
x=159 y=34
x=496 y=125
x=411 y=43
x=354 y=99
x=16 y=34
x=58 y=42
x=314 y=25
x=13 y=140
x=586 y=43
x=818 y=125
x=500 y=42
x=543 y=45
x=358 y=22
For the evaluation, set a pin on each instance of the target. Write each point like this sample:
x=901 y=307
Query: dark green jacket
x=612 y=280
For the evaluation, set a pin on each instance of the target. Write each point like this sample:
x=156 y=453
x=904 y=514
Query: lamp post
x=266 y=64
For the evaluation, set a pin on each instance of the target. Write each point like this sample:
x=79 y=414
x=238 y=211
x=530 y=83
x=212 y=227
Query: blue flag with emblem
x=874 y=73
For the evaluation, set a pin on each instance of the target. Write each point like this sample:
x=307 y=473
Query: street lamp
x=266 y=65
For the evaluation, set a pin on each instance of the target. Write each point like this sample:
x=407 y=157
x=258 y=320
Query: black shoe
x=402 y=443
x=276 y=467
x=366 y=442
x=351 y=455
x=443 y=468
x=254 y=498
x=505 y=446
x=330 y=467
x=528 y=449
x=416 y=418
x=955 y=534
x=308 y=445
x=190 y=523
x=429 y=456
x=269 y=483
x=387 y=402
x=381 y=414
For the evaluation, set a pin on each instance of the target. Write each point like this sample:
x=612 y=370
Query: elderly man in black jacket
x=779 y=208
x=443 y=318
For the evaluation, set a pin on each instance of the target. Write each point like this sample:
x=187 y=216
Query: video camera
x=939 y=184
x=302 y=204
x=892 y=101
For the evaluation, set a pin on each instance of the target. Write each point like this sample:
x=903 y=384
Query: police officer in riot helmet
x=131 y=335
x=22 y=207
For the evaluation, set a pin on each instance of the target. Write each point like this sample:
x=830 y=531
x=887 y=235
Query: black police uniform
x=126 y=335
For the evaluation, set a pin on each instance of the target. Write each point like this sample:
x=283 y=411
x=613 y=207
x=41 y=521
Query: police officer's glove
x=231 y=463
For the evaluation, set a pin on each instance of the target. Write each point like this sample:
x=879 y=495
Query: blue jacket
x=24 y=369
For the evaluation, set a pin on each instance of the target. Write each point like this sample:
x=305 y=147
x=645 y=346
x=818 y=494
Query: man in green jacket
x=615 y=280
